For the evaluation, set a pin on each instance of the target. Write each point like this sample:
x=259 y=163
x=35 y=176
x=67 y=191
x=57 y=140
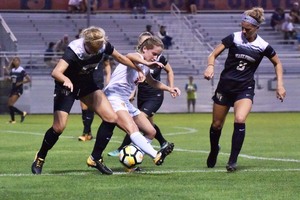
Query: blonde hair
x=142 y=37
x=150 y=42
x=257 y=13
x=93 y=34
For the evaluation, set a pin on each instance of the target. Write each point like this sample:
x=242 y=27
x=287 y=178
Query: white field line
x=186 y=131
x=153 y=172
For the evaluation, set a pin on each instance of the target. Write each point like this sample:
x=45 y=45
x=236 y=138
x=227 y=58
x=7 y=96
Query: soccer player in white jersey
x=236 y=86
x=150 y=99
x=123 y=82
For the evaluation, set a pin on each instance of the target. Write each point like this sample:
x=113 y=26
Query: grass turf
x=268 y=166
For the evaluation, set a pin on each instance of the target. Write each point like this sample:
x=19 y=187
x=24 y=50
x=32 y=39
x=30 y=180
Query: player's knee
x=152 y=133
x=59 y=128
x=217 y=125
x=113 y=118
x=239 y=119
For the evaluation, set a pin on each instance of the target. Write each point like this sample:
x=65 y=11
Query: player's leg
x=62 y=106
x=149 y=107
x=219 y=115
x=149 y=131
x=126 y=141
x=126 y=122
x=242 y=108
x=136 y=137
x=98 y=102
x=12 y=109
x=87 y=119
x=50 y=138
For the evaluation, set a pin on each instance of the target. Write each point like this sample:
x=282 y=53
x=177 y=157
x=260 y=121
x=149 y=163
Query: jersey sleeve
x=109 y=49
x=162 y=59
x=228 y=41
x=69 y=55
x=24 y=73
x=269 y=52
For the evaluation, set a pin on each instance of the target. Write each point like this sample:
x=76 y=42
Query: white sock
x=148 y=140
x=139 y=140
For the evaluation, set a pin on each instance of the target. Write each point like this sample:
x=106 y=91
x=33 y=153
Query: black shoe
x=169 y=146
x=37 y=165
x=23 y=116
x=99 y=164
x=162 y=153
x=231 y=167
x=212 y=158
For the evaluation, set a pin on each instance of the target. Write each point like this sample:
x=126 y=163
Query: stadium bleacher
x=194 y=36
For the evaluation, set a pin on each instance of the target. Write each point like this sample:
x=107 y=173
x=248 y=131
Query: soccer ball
x=131 y=155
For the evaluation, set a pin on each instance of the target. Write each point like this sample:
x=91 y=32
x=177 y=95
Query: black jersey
x=147 y=91
x=98 y=74
x=82 y=64
x=243 y=59
x=17 y=75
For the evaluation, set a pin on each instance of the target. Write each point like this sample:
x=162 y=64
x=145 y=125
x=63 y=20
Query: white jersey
x=123 y=81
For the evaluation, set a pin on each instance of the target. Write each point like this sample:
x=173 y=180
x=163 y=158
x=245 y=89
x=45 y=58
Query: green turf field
x=268 y=167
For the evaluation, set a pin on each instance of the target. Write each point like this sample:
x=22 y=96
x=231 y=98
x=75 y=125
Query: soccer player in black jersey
x=236 y=86
x=74 y=80
x=18 y=77
x=150 y=99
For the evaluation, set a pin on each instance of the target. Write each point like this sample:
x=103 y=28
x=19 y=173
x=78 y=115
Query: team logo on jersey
x=219 y=96
x=245 y=57
x=88 y=69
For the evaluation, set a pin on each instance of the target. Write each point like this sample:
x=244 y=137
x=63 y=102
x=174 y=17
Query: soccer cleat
x=12 y=122
x=23 y=116
x=212 y=158
x=231 y=167
x=37 y=165
x=162 y=153
x=168 y=145
x=114 y=153
x=98 y=164
x=85 y=137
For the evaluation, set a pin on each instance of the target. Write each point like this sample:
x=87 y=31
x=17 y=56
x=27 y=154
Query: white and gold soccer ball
x=131 y=156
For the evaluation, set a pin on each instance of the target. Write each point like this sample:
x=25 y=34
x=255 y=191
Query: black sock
x=159 y=136
x=87 y=120
x=104 y=134
x=11 y=113
x=237 y=141
x=49 y=141
x=126 y=141
x=214 y=136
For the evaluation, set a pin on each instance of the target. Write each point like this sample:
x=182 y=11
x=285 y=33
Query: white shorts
x=120 y=104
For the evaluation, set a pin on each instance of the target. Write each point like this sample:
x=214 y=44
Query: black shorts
x=150 y=106
x=16 y=91
x=64 y=98
x=228 y=99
